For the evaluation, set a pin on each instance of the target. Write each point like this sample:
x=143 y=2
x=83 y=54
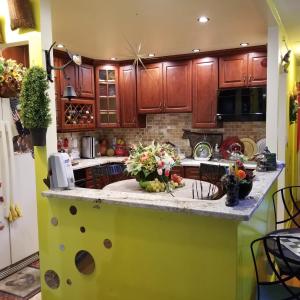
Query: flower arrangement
x=237 y=182
x=151 y=166
x=11 y=77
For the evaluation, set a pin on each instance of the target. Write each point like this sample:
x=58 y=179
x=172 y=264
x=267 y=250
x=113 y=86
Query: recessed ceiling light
x=244 y=44
x=113 y=58
x=203 y=19
x=60 y=46
x=151 y=54
x=196 y=50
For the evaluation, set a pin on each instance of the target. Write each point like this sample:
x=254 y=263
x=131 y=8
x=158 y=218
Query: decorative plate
x=261 y=144
x=226 y=145
x=250 y=147
x=202 y=151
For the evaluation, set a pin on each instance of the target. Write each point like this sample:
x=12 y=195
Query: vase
x=38 y=136
x=245 y=188
x=232 y=191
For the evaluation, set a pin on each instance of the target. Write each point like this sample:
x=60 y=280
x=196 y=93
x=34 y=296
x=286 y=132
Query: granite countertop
x=92 y=162
x=164 y=201
x=186 y=162
x=190 y=162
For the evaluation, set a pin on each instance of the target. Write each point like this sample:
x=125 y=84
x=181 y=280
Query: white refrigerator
x=18 y=239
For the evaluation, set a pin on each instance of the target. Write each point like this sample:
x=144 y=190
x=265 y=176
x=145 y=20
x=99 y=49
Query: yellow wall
x=32 y=37
x=291 y=153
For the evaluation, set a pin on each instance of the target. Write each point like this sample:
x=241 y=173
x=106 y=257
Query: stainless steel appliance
x=88 y=147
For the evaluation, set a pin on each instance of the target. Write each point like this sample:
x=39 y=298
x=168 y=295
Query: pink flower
x=161 y=164
x=167 y=172
x=159 y=172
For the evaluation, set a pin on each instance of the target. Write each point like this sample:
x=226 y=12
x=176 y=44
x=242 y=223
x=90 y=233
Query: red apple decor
x=121 y=148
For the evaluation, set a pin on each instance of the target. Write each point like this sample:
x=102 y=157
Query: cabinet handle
x=250 y=78
x=244 y=79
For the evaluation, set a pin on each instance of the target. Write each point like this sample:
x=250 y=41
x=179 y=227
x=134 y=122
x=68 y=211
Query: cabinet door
x=127 y=85
x=257 y=69
x=150 y=89
x=107 y=96
x=192 y=173
x=233 y=71
x=86 y=81
x=69 y=76
x=177 y=79
x=205 y=85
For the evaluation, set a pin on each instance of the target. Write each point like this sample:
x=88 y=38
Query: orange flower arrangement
x=11 y=77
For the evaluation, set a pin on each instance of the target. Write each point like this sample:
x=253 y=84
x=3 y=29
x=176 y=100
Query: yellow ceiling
x=103 y=29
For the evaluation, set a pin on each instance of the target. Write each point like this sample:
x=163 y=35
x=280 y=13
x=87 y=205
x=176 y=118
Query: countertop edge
x=184 y=205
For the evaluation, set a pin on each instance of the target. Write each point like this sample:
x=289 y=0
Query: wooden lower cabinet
x=191 y=173
x=84 y=178
x=178 y=170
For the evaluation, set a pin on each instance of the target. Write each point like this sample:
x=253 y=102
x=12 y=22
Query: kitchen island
x=155 y=246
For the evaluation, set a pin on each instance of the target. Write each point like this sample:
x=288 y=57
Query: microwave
x=242 y=104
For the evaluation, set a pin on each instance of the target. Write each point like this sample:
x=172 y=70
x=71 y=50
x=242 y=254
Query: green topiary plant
x=34 y=99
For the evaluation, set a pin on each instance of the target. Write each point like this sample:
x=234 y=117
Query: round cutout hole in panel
x=52 y=279
x=62 y=247
x=82 y=229
x=107 y=243
x=73 y=210
x=69 y=281
x=84 y=262
x=54 y=221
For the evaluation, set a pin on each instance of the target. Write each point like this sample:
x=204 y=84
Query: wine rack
x=78 y=114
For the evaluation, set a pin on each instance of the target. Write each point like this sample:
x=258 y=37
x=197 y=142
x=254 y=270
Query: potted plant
x=237 y=182
x=151 y=166
x=35 y=111
x=11 y=77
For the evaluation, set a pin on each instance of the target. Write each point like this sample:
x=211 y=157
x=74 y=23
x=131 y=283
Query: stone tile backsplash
x=168 y=127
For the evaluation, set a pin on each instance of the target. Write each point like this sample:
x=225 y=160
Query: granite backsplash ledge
x=168 y=127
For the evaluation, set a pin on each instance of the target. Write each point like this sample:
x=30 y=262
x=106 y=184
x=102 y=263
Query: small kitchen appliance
x=60 y=171
x=88 y=147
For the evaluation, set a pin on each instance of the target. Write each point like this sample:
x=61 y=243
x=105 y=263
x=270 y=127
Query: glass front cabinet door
x=107 y=96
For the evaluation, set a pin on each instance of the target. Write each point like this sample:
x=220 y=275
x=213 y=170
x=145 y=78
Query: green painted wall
x=154 y=255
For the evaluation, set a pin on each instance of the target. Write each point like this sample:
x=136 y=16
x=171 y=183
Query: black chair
x=213 y=174
x=279 y=249
x=287 y=196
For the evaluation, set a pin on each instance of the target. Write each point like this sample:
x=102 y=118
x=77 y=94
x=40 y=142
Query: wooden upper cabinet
x=205 y=85
x=257 y=69
x=128 y=104
x=86 y=81
x=69 y=76
x=177 y=83
x=150 y=88
x=107 y=96
x=233 y=71
x=80 y=77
